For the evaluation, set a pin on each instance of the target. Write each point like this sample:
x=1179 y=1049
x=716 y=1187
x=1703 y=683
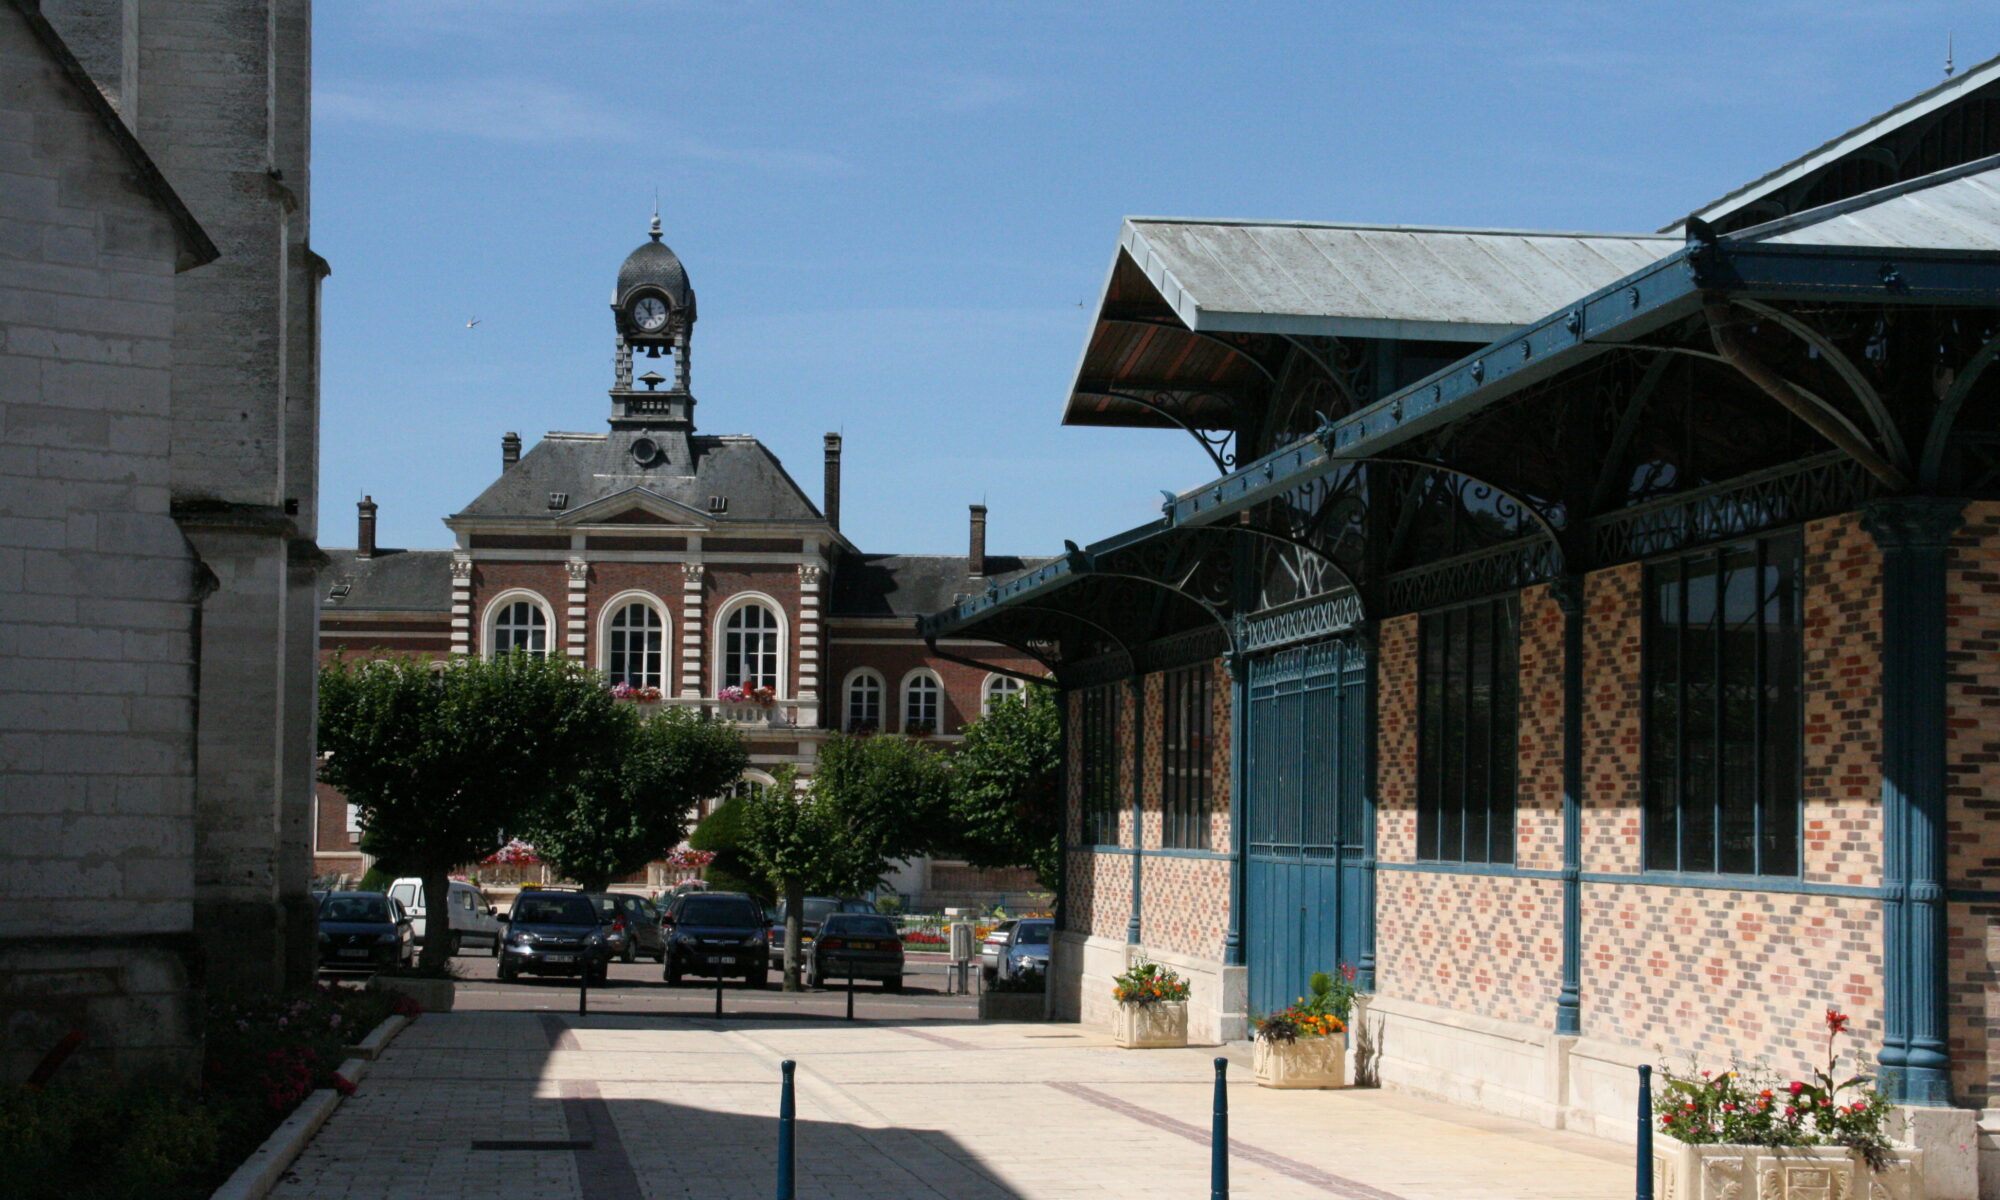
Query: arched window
x=520 y=625
x=635 y=646
x=864 y=702
x=923 y=704
x=750 y=648
x=998 y=688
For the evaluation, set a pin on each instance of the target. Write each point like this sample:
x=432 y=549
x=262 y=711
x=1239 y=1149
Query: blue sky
x=898 y=216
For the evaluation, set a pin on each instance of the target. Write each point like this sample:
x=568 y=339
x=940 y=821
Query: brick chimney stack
x=832 y=505
x=976 y=554
x=510 y=449
x=364 y=546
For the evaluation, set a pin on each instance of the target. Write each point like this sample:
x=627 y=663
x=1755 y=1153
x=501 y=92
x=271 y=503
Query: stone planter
x=1150 y=1026
x=1010 y=1006
x=1319 y=1062
x=1684 y=1172
x=434 y=995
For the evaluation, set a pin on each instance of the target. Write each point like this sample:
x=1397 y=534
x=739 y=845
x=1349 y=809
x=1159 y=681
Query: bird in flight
x=474 y=321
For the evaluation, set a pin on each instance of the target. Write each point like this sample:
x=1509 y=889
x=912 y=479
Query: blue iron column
x=1239 y=706
x=1913 y=533
x=1138 y=690
x=1568 y=593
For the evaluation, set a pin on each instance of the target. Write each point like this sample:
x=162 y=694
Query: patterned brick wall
x=1395 y=745
x=1612 y=755
x=1484 y=944
x=1218 y=808
x=1539 y=796
x=1843 y=693
x=1100 y=893
x=1184 y=906
x=1150 y=705
x=1972 y=803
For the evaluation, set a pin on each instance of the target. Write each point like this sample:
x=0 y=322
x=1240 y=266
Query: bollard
x=785 y=1117
x=1645 y=1191
x=850 y=991
x=1218 y=1138
x=718 y=995
x=583 y=991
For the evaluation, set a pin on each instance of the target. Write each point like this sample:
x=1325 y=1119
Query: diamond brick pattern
x=1972 y=802
x=1482 y=944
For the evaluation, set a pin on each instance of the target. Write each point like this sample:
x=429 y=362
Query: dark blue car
x=362 y=931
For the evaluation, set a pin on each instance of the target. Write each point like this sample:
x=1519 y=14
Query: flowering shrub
x=1149 y=983
x=623 y=691
x=1320 y=1014
x=515 y=853
x=748 y=695
x=1756 y=1109
x=684 y=857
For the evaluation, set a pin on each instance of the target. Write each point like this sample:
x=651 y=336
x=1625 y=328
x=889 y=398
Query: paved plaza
x=653 y=1104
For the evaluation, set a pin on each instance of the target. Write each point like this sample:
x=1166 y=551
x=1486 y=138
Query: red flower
x=1795 y=1087
x=1836 y=1021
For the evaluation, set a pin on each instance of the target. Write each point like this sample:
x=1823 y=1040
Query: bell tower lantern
x=653 y=310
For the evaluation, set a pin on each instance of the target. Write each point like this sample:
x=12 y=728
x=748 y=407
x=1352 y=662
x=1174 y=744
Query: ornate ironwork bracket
x=1946 y=418
x=1216 y=446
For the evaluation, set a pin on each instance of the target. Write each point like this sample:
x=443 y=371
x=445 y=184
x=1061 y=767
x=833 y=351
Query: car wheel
x=452 y=945
x=989 y=974
x=759 y=979
x=660 y=956
x=893 y=984
x=671 y=973
x=631 y=951
x=507 y=973
x=496 y=945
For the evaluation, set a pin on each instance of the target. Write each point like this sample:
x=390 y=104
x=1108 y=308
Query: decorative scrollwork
x=1818 y=486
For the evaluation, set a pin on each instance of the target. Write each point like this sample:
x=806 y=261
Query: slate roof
x=594 y=466
x=392 y=581
x=907 y=585
x=1957 y=209
x=654 y=265
x=1396 y=281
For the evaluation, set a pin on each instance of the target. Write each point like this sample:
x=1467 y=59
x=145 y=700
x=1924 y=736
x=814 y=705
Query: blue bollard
x=785 y=1118
x=1645 y=1191
x=1218 y=1139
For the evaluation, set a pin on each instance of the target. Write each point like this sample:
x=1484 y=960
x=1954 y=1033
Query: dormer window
x=718 y=504
x=558 y=501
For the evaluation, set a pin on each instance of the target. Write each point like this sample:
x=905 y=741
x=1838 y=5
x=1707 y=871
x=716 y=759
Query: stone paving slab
x=676 y=1106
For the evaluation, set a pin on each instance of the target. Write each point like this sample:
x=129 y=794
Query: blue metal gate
x=1306 y=900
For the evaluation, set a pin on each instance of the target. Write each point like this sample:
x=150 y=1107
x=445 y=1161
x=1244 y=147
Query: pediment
x=638 y=507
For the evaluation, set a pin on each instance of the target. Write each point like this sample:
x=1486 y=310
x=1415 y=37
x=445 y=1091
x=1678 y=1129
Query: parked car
x=635 y=924
x=715 y=934
x=811 y=913
x=555 y=933
x=361 y=931
x=857 y=946
x=993 y=949
x=473 y=920
x=1028 y=950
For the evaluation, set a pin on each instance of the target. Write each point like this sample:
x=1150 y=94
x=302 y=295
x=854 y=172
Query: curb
x=378 y=1040
x=259 y=1173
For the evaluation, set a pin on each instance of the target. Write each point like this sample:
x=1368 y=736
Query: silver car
x=1028 y=949
x=993 y=949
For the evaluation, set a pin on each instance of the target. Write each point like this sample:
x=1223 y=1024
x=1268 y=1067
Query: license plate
x=354 y=954
x=713 y=959
x=559 y=957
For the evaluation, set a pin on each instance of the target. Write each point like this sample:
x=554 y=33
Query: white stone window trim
x=995 y=686
x=903 y=691
x=719 y=631
x=847 y=697
x=490 y=615
x=617 y=604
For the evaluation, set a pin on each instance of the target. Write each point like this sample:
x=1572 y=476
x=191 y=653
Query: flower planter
x=1150 y=1026
x=433 y=995
x=1307 y=1062
x=1684 y=1172
x=1010 y=1006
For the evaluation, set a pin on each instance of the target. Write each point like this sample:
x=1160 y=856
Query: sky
x=898 y=216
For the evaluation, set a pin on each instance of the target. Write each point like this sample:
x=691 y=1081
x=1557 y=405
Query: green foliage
x=893 y=794
x=805 y=842
x=1005 y=810
x=721 y=834
x=443 y=763
x=375 y=879
x=1149 y=983
x=630 y=807
x=888 y=904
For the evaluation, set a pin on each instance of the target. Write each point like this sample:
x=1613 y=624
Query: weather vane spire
x=1948 y=67
x=656 y=214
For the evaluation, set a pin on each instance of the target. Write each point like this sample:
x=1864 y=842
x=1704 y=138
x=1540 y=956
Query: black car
x=635 y=926
x=856 y=946
x=555 y=933
x=360 y=931
x=716 y=934
x=811 y=913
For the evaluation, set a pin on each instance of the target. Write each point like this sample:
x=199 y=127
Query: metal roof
x=1916 y=108
x=1958 y=209
x=1390 y=281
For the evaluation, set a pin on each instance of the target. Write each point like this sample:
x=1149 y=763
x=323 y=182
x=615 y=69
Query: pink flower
x=1795 y=1087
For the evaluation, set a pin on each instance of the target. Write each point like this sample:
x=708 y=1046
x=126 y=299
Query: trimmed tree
x=893 y=792
x=632 y=806
x=733 y=869
x=444 y=762
x=1004 y=808
x=805 y=845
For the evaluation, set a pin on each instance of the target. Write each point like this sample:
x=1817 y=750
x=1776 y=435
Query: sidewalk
x=655 y=1107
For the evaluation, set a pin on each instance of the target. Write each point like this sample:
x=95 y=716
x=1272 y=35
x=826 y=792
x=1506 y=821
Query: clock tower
x=653 y=310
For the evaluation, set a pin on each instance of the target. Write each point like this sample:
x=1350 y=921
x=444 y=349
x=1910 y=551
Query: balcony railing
x=782 y=715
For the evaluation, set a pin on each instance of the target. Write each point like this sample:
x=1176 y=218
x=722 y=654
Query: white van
x=472 y=919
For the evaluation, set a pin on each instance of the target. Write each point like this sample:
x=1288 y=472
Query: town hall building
x=691 y=569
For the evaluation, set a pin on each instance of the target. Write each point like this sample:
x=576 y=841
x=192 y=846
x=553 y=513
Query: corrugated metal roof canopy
x=1957 y=209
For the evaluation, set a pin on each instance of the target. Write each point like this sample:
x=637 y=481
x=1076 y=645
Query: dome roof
x=654 y=265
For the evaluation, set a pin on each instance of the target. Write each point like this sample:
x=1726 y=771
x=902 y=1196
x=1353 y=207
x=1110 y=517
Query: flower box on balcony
x=1306 y=1062
x=1713 y=1172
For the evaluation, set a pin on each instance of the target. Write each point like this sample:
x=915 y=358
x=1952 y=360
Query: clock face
x=650 y=313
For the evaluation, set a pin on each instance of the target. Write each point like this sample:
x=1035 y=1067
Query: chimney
x=832 y=505
x=510 y=449
x=365 y=546
x=976 y=554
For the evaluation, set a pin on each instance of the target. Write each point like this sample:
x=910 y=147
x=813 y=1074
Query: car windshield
x=355 y=908
x=853 y=923
x=1032 y=935
x=725 y=911
x=554 y=910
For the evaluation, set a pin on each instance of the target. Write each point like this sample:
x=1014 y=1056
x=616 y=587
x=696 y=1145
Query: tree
x=632 y=806
x=443 y=762
x=805 y=845
x=1005 y=811
x=893 y=792
x=721 y=834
